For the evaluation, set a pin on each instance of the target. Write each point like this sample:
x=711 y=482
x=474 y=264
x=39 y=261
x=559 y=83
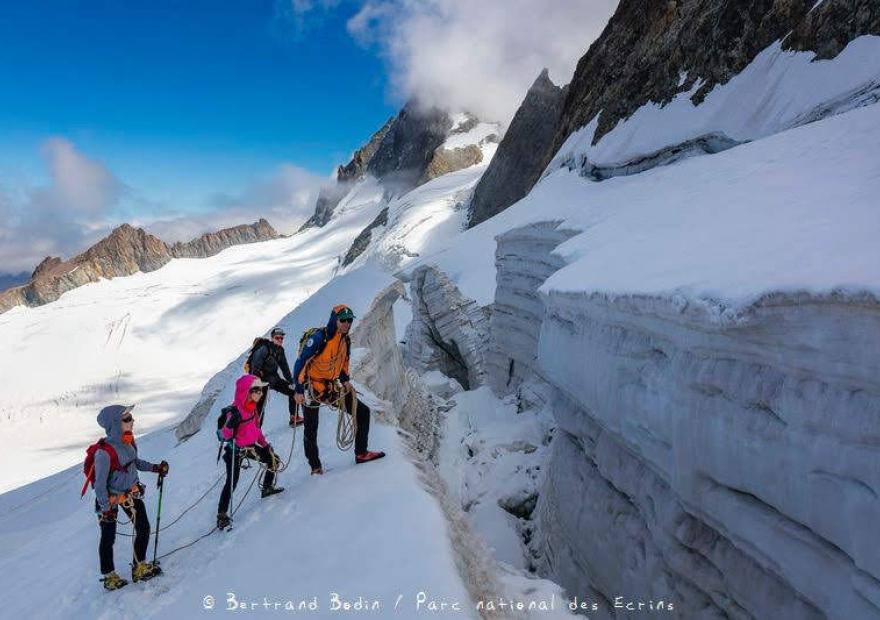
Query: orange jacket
x=324 y=357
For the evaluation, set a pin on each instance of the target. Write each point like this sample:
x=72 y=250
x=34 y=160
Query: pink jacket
x=248 y=432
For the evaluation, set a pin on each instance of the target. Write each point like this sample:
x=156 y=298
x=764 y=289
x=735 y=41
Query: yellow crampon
x=113 y=581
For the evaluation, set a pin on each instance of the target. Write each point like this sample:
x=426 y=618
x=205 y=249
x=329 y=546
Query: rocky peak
x=398 y=155
x=46 y=265
x=213 y=243
x=408 y=146
x=125 y=251
x=523 y=153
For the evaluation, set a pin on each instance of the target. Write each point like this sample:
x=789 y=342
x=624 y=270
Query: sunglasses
x=345 y=320
x=128 y=419
x=277 y=337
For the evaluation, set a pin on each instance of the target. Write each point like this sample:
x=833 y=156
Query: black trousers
x=282 y=388
x=310 y=430
x=232 y=458
x=108 y=535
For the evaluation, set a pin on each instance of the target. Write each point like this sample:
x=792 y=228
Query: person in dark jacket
x=121 y=487
x=268 y=359
x=323 y=364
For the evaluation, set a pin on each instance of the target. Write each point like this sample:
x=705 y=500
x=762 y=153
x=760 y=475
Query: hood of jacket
x=110 y=419
x=242 y=388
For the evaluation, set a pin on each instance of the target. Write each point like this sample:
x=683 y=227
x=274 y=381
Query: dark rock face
x=125 y=251
x=361 y=242
x=399 y=154
x=407 y=149
x=523 y=153
x=330 y=196
x=646 y=47
x=829 y=27
x=355 y=169
x=328 y=199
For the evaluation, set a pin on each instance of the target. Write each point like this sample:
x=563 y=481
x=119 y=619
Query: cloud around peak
x=478 y=56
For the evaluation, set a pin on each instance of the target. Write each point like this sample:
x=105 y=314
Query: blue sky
x=221 y=88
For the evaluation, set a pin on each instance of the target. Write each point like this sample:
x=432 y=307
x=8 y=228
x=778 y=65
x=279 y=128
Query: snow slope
x=151 y=338
x=369 y=531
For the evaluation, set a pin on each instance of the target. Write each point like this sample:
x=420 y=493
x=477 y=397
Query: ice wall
x=449 y=332
x=729 y=466
x=524 y=259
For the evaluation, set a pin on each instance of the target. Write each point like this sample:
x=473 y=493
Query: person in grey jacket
x=120 y=486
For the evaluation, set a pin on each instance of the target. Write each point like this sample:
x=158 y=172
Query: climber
x=112 y=467
x=267 y=359
x=323 y=364
x=245 y=439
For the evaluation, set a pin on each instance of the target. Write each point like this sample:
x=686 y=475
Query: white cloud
x=293 y=17
x=61 y=217
x=483 y=55
x=286 y=198
x=78 y=182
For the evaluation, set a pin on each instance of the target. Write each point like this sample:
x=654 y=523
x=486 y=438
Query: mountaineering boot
x=144 y=571
x=112 y=581
x=223 y=521
x=318 y=471
x=271 y=491
x=296 y=420
x=366 y=457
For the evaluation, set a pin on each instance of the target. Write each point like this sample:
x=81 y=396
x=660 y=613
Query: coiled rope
x=346 y=422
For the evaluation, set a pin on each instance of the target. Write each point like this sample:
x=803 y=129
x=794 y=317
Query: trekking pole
x=161 y=484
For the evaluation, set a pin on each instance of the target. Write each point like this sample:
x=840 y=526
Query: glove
x=107 y=516
x=161 y=468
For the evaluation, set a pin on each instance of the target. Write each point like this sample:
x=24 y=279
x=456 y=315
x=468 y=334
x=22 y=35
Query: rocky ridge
x=123 y=252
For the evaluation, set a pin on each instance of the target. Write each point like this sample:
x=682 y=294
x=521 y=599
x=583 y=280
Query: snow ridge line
x=472 y=557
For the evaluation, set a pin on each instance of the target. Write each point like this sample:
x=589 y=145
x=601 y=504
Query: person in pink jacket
x=242 y=432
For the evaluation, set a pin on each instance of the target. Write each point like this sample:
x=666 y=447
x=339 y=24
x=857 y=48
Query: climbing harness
x=346 y=423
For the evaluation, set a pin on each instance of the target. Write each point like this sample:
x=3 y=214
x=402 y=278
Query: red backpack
x=89 y=463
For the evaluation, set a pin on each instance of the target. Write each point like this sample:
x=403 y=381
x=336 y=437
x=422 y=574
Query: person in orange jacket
x=322 y=363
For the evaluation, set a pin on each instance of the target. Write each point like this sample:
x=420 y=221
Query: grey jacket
x=107 y=482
